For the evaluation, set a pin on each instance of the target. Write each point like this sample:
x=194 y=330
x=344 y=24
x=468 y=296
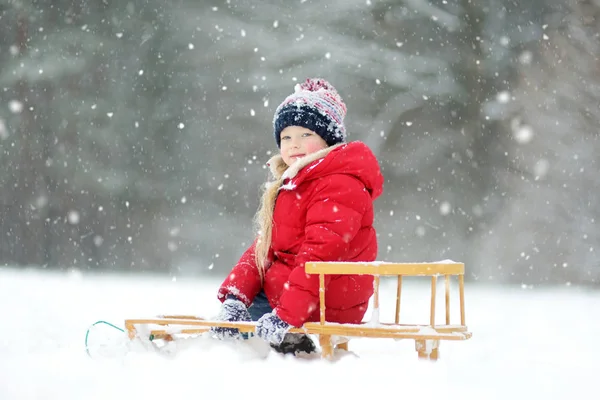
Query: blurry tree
x=96 y=132
x=547 y=230
x=136 y=132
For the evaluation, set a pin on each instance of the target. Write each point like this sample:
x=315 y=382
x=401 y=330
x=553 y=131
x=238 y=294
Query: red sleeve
x=333 y=219
x=244 y=280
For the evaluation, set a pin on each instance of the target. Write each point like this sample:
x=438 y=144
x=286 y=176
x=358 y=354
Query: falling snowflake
x=524 y=134
x=3 y=130
x=503 y=97
x=73 y=217
x=445 y=208
x=541 y=168
x=98 y=240
x=15 y=106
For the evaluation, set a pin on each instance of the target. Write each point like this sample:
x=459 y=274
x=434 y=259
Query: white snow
x=73 y=217
x=541 y=168
x=15 y=106
x=524 y=134
x=527 y=344
x=503 y=97
x=445 y=208
x=3 y=130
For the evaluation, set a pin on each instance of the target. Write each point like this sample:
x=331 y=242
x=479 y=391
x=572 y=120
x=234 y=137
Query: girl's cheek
x=312 y=147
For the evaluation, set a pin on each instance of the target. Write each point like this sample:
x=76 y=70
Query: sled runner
x=333 y=336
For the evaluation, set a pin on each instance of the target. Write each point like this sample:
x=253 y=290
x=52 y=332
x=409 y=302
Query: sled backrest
x=378 y=269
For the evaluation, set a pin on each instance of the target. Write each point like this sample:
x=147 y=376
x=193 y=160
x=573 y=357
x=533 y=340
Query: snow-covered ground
x=528 y=343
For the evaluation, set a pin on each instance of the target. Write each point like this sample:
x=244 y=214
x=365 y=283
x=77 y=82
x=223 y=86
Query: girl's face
x=297 y=142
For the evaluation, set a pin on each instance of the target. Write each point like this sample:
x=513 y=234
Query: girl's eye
x=285 y=138
x=307 y=134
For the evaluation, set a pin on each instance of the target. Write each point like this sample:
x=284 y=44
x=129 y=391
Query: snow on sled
x=335 y=336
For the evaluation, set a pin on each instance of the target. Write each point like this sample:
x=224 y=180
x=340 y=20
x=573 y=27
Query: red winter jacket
x=323 y=212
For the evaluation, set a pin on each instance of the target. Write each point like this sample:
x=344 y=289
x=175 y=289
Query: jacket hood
x=354 y=158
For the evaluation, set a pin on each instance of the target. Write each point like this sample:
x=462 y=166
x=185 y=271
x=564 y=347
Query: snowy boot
x=294 y=343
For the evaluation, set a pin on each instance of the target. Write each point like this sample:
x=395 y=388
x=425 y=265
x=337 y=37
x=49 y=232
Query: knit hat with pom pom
x=315 y=105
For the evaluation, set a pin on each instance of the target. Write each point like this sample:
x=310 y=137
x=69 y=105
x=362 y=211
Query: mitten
x=232 y=310
x=271 y=328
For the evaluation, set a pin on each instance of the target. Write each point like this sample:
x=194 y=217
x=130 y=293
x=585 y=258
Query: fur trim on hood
x=279 y=169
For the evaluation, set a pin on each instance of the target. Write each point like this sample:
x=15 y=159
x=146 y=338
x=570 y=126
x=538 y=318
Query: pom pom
x=314 y=85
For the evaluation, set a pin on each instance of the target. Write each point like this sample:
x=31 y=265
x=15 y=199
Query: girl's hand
x=232 y=310
x=271 y=328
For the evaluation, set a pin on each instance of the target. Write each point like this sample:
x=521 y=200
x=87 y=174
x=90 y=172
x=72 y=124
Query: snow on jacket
x=323 y=212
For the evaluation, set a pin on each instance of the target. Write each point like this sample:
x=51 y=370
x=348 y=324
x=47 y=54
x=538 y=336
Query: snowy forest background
x=133 y=134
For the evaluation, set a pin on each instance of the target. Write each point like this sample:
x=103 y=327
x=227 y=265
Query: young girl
x=318 y=207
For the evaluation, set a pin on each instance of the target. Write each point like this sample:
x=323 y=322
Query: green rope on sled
x=87 y=350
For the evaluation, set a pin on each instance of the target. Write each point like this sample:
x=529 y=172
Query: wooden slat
x=412 y=327
x=322 y=298
x=242 y=326
x=178 y=321
x=342 y=346
x=398 y=296
x=383 y=332
x=383 y=268
x=161 y=333
x=193 y=317
x=376 y=293
x=433 y=293
x=350 y=330
x=178 y=325
x=447 y=299
x=461 y=289
x=326 y=346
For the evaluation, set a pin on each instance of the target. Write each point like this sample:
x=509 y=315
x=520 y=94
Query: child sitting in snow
x=319 y=207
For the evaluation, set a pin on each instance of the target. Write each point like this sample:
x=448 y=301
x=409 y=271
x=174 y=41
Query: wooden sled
x=333 y=336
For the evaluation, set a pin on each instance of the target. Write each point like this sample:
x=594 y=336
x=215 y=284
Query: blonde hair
x=264 y=219
x=264 y=216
